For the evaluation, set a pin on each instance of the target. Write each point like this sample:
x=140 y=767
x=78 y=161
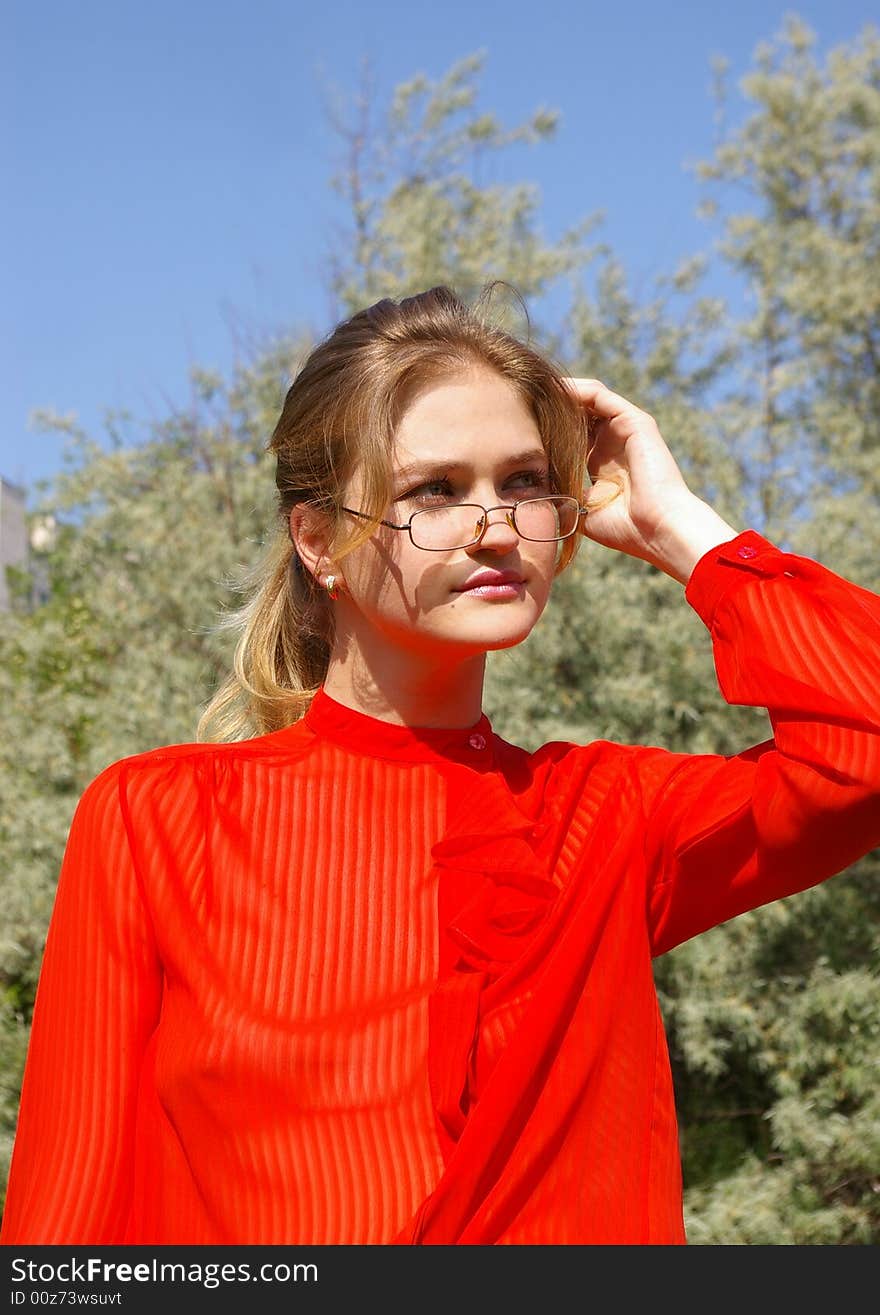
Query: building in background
x=22 y=546
x=13 y=535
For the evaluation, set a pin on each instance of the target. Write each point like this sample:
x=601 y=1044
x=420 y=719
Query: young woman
x=354 y=969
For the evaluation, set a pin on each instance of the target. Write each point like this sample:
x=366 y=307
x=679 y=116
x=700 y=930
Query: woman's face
x=470 y=438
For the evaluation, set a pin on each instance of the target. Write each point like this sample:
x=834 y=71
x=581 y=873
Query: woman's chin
x=493 y=633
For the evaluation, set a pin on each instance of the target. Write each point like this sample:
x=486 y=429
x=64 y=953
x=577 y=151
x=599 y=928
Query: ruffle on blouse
x=494 y=895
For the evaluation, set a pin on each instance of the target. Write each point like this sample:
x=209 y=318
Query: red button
x=746 y=551
x=477 y=741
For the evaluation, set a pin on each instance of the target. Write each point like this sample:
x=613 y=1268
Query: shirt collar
x=330 y=720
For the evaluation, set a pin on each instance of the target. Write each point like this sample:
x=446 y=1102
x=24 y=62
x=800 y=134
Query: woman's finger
x=597 y=397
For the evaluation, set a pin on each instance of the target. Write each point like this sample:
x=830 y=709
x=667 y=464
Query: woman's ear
x=310 y=535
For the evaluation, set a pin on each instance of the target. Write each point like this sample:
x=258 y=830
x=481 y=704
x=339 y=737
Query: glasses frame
x=509 y=507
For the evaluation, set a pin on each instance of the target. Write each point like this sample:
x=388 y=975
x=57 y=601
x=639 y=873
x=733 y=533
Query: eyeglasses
x=462 y=524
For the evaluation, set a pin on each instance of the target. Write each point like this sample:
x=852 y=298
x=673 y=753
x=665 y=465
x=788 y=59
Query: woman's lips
x=511 y=590
x=493 y=578
x=494 y=584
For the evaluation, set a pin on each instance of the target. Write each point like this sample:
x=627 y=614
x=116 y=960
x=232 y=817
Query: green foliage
x=807 y=243
x=420 y=219
x=773 y=1019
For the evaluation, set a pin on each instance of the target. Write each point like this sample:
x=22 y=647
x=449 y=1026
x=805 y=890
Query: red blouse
x=352 y=982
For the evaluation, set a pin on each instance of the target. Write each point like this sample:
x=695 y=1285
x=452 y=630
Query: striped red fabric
x=352 y=982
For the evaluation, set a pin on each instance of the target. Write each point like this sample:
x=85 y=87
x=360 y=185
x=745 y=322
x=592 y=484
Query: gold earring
x=331 y=584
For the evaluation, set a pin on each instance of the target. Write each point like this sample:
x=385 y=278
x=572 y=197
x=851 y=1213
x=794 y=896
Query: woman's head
x=427 y=381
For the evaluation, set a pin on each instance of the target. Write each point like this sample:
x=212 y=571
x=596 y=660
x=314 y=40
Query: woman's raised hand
x=626 y=443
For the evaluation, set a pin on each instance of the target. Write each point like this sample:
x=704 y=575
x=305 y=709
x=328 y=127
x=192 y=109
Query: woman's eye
x=442 y=488
x=536 y=481
x=435 y=488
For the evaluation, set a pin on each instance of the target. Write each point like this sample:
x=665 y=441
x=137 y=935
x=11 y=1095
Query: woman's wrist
x=688 y=535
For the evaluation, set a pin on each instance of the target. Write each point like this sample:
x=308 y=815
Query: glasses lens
x=447 y=527
x=546 y=518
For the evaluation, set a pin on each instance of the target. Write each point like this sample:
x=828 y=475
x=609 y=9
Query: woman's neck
x=408 y=690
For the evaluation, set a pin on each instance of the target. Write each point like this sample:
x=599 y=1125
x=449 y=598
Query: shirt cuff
x=729 y=565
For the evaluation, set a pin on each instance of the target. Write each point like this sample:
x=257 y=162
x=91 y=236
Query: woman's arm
x=726 y=834
x=723 y=835
x=97 y=1002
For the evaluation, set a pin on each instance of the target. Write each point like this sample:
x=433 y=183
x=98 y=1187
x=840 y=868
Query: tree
x=806 y=243
x=419 y=218
x=792 y=1036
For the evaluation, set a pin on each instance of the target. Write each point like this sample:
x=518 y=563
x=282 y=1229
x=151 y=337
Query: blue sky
x=168 y=165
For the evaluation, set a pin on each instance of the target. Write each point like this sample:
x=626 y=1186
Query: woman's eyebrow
x=444 y=467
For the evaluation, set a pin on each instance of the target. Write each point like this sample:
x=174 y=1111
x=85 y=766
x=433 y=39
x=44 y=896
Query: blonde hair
x=340 y=413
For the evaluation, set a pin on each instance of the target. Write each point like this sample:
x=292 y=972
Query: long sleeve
x=724 y=834
x=97 y=1002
